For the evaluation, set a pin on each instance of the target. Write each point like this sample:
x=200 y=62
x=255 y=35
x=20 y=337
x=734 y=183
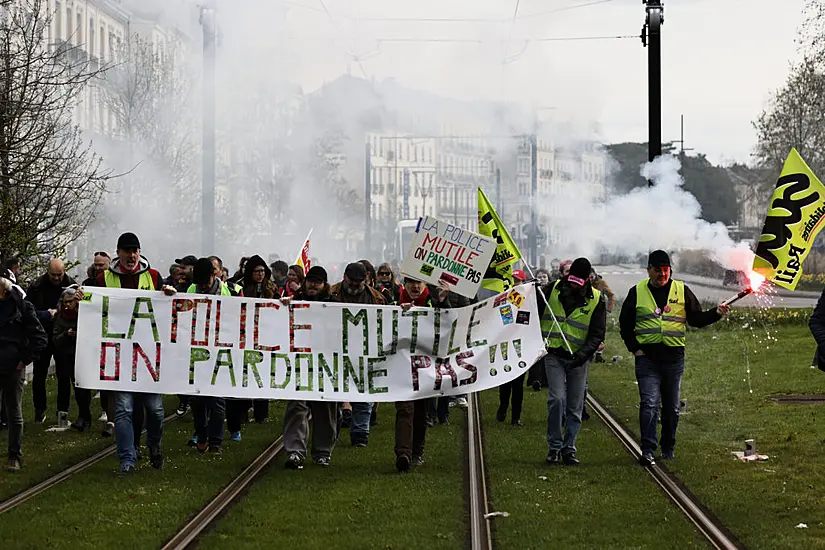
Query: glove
x=579 y=359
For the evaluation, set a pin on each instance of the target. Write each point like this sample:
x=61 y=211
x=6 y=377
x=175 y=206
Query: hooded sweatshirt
x=265 y=289
x=130 y=279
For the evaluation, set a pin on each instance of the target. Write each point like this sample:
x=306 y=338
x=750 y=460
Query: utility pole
x=208 y=22
x=368 y=198
x=652 y=39
x=532 y=238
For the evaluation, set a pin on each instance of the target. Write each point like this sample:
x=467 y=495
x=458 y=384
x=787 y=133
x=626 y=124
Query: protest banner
x=144 y=341
x=795 y=216
x=440 y=251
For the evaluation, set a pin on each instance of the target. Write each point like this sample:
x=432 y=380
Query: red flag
x=303 y=255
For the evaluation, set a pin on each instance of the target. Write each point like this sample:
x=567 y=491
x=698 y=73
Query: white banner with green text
x=145 y=341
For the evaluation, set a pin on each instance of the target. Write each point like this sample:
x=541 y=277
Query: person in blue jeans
x=572 y=339
x=653 y=324
x=130 y=270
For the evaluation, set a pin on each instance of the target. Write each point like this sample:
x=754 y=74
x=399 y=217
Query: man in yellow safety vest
x=571 y=341
x=653 y=324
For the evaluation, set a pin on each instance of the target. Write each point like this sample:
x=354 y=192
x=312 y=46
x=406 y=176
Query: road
x=621 y=278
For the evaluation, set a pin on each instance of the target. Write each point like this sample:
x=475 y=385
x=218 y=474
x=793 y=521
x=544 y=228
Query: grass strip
x=101 y=509
x=360 y=501
x=608 y=501
x=48 y=453
x=731 y=369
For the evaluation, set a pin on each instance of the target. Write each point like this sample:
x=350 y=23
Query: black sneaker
x=517 y=423
x=570 y=459
x=181 y=410
x=294 y=462
x=346 y=418
x=39 y=416
x=215 y=449
x=553 y=457
x=417 y=460
x=536 y=385
x=14 y=465
x=127 y=469
x=81 y=424
x=585 y=415
x=668 y=455
x=501 y=415
x=108 y=429
x=322 y=461
x=402 y=463
x=647 y=459
x=156 y=457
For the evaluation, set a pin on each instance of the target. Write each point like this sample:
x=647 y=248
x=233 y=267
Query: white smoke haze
x=273 y=182
x=663 y=216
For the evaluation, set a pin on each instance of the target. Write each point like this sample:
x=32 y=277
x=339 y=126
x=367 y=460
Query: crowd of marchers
x=38 y=327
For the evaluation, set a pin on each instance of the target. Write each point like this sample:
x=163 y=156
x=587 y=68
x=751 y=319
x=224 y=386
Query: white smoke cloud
x=664 y=216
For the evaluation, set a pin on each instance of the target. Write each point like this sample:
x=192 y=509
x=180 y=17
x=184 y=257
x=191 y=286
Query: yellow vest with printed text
x=666 y=326
x=574 y=327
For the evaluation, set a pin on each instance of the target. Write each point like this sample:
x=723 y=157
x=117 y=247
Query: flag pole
x=547 y=303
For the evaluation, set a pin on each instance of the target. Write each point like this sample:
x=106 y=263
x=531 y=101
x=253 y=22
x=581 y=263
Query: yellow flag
x=795 y=216
x=499 y=275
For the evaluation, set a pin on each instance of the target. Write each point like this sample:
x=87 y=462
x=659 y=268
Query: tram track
x=202 y=523
x=480 y=533
x=35 y=490
x=714 y=531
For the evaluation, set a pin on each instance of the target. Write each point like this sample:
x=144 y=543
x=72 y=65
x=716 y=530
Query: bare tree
x=794 y=118
x=150 y=95
x=50 y=178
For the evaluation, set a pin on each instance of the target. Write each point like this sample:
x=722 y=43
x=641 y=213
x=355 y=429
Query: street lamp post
x=655 y=18
x=208 y=21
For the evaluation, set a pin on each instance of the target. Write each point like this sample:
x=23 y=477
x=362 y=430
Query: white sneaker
x=103 y=417
x=461 y=402
x=63 y=423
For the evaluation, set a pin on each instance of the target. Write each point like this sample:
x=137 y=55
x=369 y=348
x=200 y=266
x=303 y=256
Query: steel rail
x=45 y=485
x=480 y=532
x=206 y=518
x=707 y=524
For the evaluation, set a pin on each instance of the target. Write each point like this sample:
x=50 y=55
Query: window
x=102 y=42
x=80 y=29
x=92 y=37
x=58 y=22
x=69 y=31
x=415 y=210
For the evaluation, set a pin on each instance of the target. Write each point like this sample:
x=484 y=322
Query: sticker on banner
x=500 y=299
x=427 y=270
x=506 y=314
x=516 y=299
x=523 y=318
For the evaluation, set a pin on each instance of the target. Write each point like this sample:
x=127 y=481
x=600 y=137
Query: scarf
x=421 y=301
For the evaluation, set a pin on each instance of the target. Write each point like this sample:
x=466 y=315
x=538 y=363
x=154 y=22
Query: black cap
x=128 y=241
x=187 y=260
x=658 y=258
x=580 y=268
x=317 y=273
x=203 y=271
x=356 y=271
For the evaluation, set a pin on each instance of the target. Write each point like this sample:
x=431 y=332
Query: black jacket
x=45 y=296
x=817 y=326
x=695 y=318
x=598 y=322
x=22 y=338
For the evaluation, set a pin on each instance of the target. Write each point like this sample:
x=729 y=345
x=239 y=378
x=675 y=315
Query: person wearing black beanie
x=574 y=318
x=653 y=324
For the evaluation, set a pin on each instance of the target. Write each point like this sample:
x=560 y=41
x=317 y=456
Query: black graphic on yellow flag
x=795 y=216
x=499 y=275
